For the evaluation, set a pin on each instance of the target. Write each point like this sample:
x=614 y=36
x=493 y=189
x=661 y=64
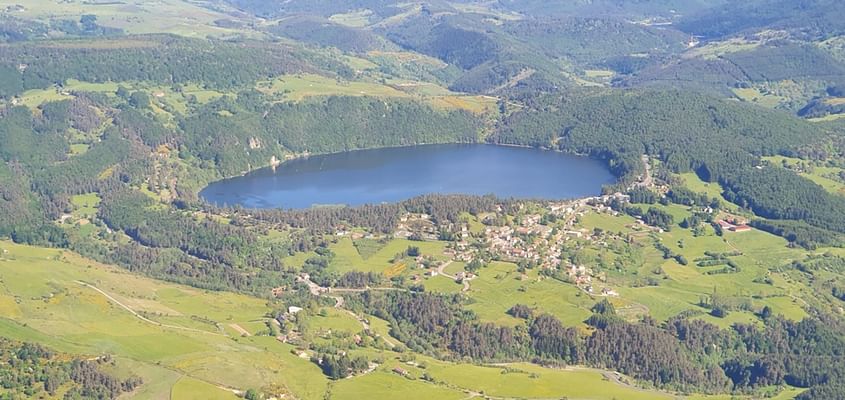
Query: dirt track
x=143 y=318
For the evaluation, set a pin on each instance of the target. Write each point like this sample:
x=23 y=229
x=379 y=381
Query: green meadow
x=178 y=17
x=43 y=300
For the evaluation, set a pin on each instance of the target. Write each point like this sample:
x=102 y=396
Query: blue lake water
x=395 y=174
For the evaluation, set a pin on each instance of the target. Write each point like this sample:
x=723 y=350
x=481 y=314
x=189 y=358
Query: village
x=535 y=238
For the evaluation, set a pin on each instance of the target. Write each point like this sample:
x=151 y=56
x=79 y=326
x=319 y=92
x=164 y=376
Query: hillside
x=711 y=268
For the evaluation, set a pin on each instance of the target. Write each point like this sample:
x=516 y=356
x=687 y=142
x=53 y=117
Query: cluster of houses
x=416 y=225
x=533 y=241
x=733 y=226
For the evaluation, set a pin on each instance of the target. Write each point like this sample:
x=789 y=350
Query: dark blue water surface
x=395 y=174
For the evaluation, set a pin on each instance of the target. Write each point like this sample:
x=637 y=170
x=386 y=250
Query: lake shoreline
x=391 y=174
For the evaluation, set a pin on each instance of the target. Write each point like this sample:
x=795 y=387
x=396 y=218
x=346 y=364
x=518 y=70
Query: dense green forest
x=217 y=64
x=816 y=18
x=712 y=138
x=108 y=133
x=323 y=126
x=325 y=33
x=719 y=141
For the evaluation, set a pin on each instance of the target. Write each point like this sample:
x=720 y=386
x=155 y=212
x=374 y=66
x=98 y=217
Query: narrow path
x=648 y=181
x=143 y=318
x=465 y=281
x=362 y=290
x=240 y=330
x=441 y=270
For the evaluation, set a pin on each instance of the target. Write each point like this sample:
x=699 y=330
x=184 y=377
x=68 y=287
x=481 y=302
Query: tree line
x=32 y=371
x=681 y=354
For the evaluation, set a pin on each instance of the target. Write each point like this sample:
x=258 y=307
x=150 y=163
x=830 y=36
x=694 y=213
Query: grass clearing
x=78 y=149
x=347 y=258
x=178 y=17
x=85 y=204
x=499 y=287
x=531 y=381
x=58 y=312
x=599 y=73
x=384 y=384
x=714 y=50
x=756 y=96
x=299 y=87
x=354 y=19
x=713 y=189
x=188 y=388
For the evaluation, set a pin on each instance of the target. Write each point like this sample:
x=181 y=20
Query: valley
x=451 y=199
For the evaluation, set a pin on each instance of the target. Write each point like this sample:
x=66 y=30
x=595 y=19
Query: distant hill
x=639 y=8
x=805 y=18
x=322 y=32
x=592 y=40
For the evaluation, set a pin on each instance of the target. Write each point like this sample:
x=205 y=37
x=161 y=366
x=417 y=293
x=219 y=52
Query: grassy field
x=384 y=384
x=134 y=16
x=681 y=288
x=499 y=286
x=754 y=95
x=355 y=19
x=717 y=49
x=347 y=257
x=299 y=87
x=42 y=300
x=85 y=204
x=188 y=388
x=531 y=381
x=165 y=100
x=713 y=189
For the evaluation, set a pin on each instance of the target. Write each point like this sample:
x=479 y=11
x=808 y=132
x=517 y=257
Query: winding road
x=318 y=290
x=441 y=270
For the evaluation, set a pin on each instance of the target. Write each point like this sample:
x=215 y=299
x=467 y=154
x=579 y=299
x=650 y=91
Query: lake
x=395 y=174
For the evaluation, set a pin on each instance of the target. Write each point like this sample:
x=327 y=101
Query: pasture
x=42 y=301
x=170 y=16
x=348 y=258
x=500 y=286
x=298 y=87
x=185 y=347
x=679 y=288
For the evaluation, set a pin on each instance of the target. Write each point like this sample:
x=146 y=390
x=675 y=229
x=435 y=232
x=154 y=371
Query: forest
x=108 y=134
x=217 y=64
x=682 y=354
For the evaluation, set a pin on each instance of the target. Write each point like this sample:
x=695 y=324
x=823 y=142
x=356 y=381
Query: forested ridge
x=689 y=132
x=215 y=63
x=719 y=141
x=114 y=174
x=326 y=125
